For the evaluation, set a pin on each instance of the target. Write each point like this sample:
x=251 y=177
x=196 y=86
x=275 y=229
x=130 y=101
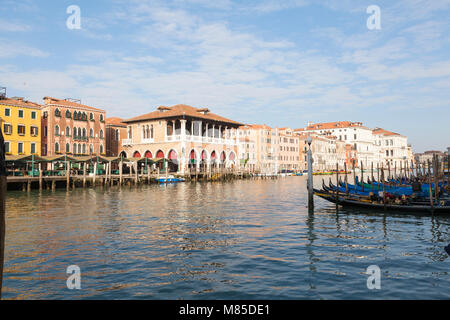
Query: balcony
x=146 y=141
x=126 y=142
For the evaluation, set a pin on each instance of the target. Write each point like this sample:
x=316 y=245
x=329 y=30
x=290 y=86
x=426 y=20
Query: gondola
x=366 y=203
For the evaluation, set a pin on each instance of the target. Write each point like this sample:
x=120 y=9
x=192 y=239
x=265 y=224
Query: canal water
x=247 y=239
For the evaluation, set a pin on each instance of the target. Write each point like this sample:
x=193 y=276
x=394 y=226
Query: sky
x=280 y=63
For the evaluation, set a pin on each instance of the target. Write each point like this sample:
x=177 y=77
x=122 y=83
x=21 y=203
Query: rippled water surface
x=250 y=239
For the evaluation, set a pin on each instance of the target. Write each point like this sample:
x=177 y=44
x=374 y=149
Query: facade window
x=130 y=133
x=101 y=149
x=7 y=112
x=117 y=134
x=84 y=149
x=91 y=132
x=56 y=130
x=91 y=149
x=20 y=147
x=84 y=132
x=91 y=116
x=79 y=148
x=33 y=148
x=68 y=114
x=101 y=134
x=392 y=153
x=387 y=153
x=45 y=131
x=34 y=131
x=7 y=128
x=57 y=113
x=33 y=115
x=20 y=113
x=7 y=147
x=355 y=136
x=67 y=132
x=74 y=148
x=56 y=147
x=67 y=148
x=101 y=118
x=21 y=130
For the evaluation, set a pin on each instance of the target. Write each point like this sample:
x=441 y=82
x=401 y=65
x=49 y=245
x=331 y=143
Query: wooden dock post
x=354 y=175
x=40 y=176
x=67 y=175
x=95 y=174
x=389 y=171
x=84 y=175
x=346 y=177
x=384 y=189
x=362 y=176
x=2 y=207
x=337 y=187
x=120 y=172
x=136 y=173
x=310 y=178
x=371 y=179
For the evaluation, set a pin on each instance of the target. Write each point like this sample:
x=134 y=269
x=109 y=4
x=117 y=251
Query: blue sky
x=281 y=63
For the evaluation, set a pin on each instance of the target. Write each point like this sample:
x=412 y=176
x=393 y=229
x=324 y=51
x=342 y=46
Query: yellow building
x=21 y=126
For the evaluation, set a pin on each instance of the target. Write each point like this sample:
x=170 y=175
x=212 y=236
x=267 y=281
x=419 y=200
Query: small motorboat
x=170 y=179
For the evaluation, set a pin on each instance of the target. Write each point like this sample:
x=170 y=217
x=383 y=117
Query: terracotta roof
x=66 y=103
x=115 y=121
x=334 y=125
x=20 y=103
x=180 y=110
x=384 y=132
x=256 y=126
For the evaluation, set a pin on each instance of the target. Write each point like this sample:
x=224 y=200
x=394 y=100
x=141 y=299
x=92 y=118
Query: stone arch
x=173 y=162
x=123 y=155
x=137 y=154
x=148 y=154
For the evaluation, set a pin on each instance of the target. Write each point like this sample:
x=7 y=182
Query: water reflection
x=239 y=240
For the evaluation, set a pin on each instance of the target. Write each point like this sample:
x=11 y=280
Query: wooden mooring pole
x=2 y=207
x=310 y=178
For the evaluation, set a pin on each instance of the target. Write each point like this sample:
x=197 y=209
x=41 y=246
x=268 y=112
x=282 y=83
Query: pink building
x=69 y=127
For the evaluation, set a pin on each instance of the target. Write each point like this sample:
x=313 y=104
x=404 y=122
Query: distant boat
x=299 y=174
x=170 y=179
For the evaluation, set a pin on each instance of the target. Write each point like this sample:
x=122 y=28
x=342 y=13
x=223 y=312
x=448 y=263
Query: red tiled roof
x=384 y=132
x=256 y=126
x=333 y=125
x=20 y=103
x=66 y=103
x=181 y=110
x=115 y=121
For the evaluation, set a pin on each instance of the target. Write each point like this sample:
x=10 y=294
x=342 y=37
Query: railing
x=147 y=140
x=126 y=142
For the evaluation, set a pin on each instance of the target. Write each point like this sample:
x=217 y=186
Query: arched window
x=84 y=149
x=101 y=117
x=67 y=132
x=101 y=134
x=117 y=135
x=68 y=115
x=91 y=132
x=75 y=115
x=56 y=130
x=84 y=117
x=101 y=149
x=151 y=132
x=91 y=116
x=67 y=148
x=75 y=148
x=91 y=149
x=56 y=147
x=79 y=132
x=57 y=113
x=84 y=132
x=79 y=148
